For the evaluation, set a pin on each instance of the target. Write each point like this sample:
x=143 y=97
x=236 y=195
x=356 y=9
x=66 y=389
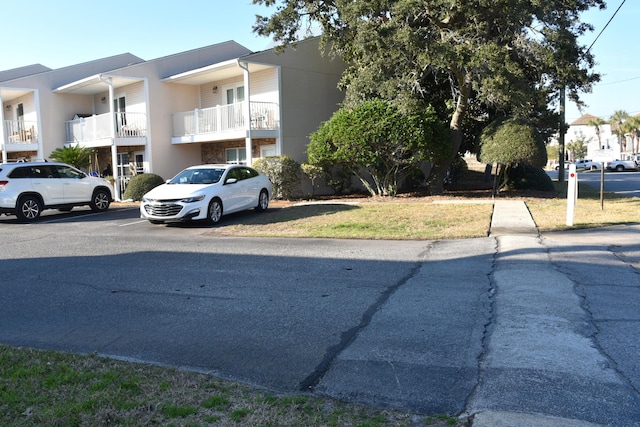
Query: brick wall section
x=215 y=152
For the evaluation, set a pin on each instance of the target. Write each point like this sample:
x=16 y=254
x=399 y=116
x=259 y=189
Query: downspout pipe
x=247 y=111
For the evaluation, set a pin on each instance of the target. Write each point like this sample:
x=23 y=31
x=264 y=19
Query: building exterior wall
x=300 y=81
x=309 y=92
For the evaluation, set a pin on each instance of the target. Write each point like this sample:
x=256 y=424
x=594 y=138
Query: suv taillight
x=3 y=183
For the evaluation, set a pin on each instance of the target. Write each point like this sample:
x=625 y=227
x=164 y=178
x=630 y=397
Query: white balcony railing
x=127 y=125
x=20 y=131
x=224 y=118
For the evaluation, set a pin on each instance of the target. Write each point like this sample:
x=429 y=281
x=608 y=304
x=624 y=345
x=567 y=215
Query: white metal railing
x=20 y=131
x=99 y=127
x=264 y=115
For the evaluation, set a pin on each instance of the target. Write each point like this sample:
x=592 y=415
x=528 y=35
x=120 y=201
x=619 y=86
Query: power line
x=607 y=24
x=618 y=81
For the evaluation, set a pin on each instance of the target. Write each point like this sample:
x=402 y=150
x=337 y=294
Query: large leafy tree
x=491 y=56
x=377 y=143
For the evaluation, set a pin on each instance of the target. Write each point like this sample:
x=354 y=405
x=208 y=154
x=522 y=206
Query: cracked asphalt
x=513 y=329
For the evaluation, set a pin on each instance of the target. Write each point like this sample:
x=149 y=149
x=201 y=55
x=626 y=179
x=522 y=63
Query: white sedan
x=207 y=192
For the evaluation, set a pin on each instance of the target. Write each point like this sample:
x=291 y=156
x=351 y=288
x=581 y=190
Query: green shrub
x=339 y=179
x=141 y=184
x=284 y=172
x=314 y=173
x=527 y=177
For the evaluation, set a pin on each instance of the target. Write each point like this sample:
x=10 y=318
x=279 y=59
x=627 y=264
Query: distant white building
x=596 y=138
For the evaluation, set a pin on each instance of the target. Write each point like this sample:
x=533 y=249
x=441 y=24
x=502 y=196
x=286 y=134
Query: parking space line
x=132 y=223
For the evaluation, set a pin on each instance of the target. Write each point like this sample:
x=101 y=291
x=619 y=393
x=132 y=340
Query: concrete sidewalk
x=542 y=366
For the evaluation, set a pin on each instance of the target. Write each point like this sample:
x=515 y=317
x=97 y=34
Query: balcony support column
x=3 y=133
x=247 y=112
x=114 y=147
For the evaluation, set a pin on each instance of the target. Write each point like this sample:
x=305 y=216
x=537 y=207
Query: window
x=20 y=173
x=235 y=94
x=236 y=156
x=267 y=150
x=67 y=172
x=119 y=107
x=123 y=164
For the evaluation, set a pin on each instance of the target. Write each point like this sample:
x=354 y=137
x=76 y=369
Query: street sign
x=604 y=155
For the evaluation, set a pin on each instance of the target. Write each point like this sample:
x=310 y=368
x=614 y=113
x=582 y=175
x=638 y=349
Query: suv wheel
x=100 y=200
x=29 y=208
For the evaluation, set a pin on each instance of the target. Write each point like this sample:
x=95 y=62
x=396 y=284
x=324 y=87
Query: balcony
x=20 y=132
x=97 y=131
x=226 y=118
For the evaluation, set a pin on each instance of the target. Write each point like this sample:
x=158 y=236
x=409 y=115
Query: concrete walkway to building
x=562 y=344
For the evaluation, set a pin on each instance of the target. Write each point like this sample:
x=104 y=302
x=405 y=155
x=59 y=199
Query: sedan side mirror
x=230 y=181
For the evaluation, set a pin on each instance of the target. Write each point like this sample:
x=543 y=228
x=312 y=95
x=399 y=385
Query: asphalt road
x=624 y=183
x=491 y=324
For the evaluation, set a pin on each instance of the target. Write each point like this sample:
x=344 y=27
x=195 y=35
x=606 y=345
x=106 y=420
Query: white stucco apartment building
x=217 y=104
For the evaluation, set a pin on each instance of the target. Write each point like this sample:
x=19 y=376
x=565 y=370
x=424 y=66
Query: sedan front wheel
x=214 y=213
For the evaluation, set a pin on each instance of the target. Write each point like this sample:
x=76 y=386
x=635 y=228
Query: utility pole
x=561 y=139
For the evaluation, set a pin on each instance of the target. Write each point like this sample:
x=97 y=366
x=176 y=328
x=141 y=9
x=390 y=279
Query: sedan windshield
x=197 y=176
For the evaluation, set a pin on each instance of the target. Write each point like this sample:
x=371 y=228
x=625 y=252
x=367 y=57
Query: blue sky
x=617 y=53
x=64 y=32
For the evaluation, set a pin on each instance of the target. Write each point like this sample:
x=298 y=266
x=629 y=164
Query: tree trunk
x=439 y=171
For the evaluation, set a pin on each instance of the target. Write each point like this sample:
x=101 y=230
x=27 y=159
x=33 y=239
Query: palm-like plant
x=619 y=118
x=73 y=155
x=596 y=123
x=632 y=127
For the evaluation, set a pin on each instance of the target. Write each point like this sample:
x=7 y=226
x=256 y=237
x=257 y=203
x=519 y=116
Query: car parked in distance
x=207 y=192
x=566 y=166
x=588 y=164
x=28 y=188
x=622 y=165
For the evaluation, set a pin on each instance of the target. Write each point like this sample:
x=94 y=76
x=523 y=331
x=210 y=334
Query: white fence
x=20 y=131
x=99 y=127
x=264 y=115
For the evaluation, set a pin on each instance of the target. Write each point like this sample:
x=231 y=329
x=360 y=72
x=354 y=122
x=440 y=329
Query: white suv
x=26 y=189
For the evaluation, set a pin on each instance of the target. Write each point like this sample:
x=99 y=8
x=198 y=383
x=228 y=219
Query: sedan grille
x=163 y=209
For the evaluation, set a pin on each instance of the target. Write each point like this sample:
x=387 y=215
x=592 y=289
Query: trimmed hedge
x=141 y=184
x=284 y=172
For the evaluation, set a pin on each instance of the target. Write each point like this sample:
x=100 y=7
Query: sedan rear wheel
x=29 y=208
x=263 y=201
x=214 y=213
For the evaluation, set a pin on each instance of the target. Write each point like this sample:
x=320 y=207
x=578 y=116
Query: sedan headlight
x=193 y=199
